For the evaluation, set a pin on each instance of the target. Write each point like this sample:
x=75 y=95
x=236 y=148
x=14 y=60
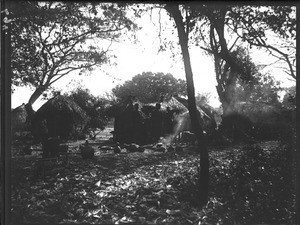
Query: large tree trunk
x=223 y=98
x=225 y=81
x=204 y=162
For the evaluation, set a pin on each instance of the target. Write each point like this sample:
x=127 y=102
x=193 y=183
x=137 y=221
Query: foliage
x=254 y=185
x=148 y=87
x=265 y=90
x=220 y=30
x=202 y=98
x=255 y=24
x=93 y=106
x=236 y=86
x=228 y=78
x=18 y=116
x=57 y=40
x=250 y=85
x=289 y=99
x=218 y=27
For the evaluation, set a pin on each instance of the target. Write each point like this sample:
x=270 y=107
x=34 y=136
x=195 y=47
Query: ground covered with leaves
x=248 y=185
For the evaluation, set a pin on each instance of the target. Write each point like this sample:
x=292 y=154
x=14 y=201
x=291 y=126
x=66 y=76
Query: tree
x=227 y=77
x=231 y=63
x=149 y=87
x=289 y=99
x=212 y=24
x=203 y=98
x=58 y=40
x=183 y=32
x=259 y=26
x=226 y=64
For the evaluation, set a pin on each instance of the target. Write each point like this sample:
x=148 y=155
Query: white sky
x=133 y=59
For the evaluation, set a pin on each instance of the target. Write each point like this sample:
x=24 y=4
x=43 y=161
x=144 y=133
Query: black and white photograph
x=161 y=112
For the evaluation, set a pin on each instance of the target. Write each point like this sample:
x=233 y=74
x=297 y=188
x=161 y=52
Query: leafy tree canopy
x=149 y=87
x=52 y=39
x=259 y=26
x=217 y=25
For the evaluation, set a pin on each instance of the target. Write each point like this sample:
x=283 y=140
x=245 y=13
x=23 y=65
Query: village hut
x=206 y=117
x=20 y=127
x=170 y=102
x=121 y=112
x=19 y=118
x=267 y=121
x=60 y=116
x=181 y=119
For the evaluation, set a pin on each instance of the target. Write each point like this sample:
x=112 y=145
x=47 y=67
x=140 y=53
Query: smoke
x=182 y=123
x=168 y=140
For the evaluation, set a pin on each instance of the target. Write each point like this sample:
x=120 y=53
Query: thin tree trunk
x=204 y=162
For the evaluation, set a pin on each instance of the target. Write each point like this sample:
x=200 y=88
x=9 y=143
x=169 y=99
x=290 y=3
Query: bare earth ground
x=139 y=188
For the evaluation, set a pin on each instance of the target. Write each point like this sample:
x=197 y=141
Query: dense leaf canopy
x=149 y=87
x=60 y=38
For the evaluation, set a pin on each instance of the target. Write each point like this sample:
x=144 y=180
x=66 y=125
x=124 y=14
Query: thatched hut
x=268 y=121
x=60 y=116
x=20 y=127
x=19 y=118
x=170 y=107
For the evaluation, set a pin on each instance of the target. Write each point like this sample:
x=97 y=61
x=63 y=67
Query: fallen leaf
x=172 y=212
x=98 y=184
x=142 y=219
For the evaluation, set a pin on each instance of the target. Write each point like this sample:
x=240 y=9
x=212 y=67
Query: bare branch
x=234 y=43
x=208 y=50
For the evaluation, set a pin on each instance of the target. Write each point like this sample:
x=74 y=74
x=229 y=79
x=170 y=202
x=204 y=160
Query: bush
x=256 y=187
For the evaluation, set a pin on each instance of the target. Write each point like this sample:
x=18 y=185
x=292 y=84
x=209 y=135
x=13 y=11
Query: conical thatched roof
x=174 y=104
x=115 y=109
x=18 y=118
x=62 y=104
x=204 y=110
x=61 y=116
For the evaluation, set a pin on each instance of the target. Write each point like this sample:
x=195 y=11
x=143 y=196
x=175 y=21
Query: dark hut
x=122 y=115
x=60 y=116
x=267 y=121
x=18 y=118
x=206 y=115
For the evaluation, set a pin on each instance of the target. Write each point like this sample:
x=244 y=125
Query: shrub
x=257 y=186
